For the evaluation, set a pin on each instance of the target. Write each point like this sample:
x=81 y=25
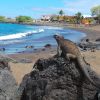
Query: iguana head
x=58 y=37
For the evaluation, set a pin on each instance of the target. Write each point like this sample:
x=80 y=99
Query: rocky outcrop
x=57 y=79
x=89 y=45
x=8 y=86
x=47 y=46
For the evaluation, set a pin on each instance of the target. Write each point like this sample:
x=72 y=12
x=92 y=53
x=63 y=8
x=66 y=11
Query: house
x=64 y=18
x=46 y=17
x=88 y=19
x=13 y=20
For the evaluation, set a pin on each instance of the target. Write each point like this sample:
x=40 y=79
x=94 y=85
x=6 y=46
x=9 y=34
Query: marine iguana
x=70 y=51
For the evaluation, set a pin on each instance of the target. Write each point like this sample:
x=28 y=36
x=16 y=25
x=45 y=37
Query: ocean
x=15 y=37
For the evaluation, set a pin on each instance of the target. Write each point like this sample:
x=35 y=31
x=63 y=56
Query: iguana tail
x=84 y=68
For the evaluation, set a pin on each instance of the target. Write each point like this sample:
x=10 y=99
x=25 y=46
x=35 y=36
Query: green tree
x=65 y=18
x=61 y=12
x=24 y=19
x=54 y=18
x=96 y=12
x=2 y=18
x=79 y=17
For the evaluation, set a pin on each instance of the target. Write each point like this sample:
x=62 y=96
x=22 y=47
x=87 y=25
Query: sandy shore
x=92 y=32
x=20 y=69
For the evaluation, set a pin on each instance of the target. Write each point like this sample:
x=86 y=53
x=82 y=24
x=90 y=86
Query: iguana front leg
x=70 y=56
x=59 y=51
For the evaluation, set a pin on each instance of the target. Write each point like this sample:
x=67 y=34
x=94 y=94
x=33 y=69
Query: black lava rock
x=8 y=86
x=47 y=46
x=57 y=79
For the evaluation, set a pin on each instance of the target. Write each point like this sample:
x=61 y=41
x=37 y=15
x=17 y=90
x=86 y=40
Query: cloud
x=83 y=6
x=70 y=7
x=42 y=9
x=52 y=9
x=61 y=8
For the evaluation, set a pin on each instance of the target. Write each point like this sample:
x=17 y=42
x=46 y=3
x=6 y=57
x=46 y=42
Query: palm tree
x=78 y=17
x=61 y=12
x=96 y=12
x=60 y=16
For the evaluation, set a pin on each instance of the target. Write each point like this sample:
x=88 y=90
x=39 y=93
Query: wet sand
x=20 y=69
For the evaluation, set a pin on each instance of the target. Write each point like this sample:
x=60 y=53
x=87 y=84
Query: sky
x=37 y=8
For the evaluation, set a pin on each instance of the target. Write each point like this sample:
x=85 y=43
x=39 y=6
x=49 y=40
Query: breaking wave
x=20 y=35
x=51 y=28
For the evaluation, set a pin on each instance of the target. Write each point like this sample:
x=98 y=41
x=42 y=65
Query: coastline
x=90 y=34
x=90 y=30
x=20 y=69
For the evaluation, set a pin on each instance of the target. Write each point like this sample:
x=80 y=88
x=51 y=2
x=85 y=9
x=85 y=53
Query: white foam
x=55 y=28
x=41 y=30
x=50 y=27
x=20 y=35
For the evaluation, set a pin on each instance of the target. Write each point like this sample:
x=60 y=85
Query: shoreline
x=20 y=69
x=90 y=32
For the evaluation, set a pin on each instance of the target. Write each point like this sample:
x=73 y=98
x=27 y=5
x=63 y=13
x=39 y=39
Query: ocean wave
x=20 y=35
x=51 y=28
x=55 y=28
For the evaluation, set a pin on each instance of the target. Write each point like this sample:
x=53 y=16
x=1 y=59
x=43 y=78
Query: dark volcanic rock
x=57 y=79
x=47 y=46
x=8 y=86
x=98 y=40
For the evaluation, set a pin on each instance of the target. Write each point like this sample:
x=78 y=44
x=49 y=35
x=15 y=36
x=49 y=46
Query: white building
x=46 y=17
x=87 y=16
